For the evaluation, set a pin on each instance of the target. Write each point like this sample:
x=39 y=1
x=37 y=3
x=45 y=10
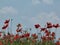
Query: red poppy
x=4 y=27
x=57 y=43
x=22 y=36
x=37 y=25
x=53 y=34
x=48 y=33
x=27 y=34
x=1 y=43
x=43 y=38
x=16 y=37
x=6 y=21
x=19 y=30
x=43 y=29
x=56 y=25
x=49 y=25
x=35 y=36
x=19 y=25
x=59 y=39
x=52 y=38
x=49 y=38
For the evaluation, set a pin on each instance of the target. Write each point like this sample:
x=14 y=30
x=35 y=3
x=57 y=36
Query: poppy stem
x=11 y=25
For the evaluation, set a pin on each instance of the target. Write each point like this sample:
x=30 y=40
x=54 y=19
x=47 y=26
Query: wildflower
x=1 y=43
x=43 y=38
x=43 y=29
x=16 y=37
x=27 y=35
x=37 y=25
x=19 y=30
x=57 y=43
x=6 y=21
x=19 y=25
x=48 y=33
x=49 y=25
x=22 y=36
x=35 y=36
x=56 y=25
x=53 y=34
x=5 y=26
x=47 y=38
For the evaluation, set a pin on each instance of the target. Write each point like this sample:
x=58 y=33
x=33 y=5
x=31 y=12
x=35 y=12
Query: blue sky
x=29 y=12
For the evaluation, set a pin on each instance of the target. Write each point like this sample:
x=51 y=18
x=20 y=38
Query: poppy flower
x=22 y=36
x=27 y=34
x=53 y=34
x=4 y=27
x=57 y=43
x=49 y=25
x=16 y=37
x=52 y=38
x=19 y=30
x=1 y=43
x=43 y=38
x=37 y=25
x=46 y=31
x=59 y=39
x=56 y=25
x=49 y=38
x=19 y=25
x=35 y=36
x=6 y=21
x=43 y=29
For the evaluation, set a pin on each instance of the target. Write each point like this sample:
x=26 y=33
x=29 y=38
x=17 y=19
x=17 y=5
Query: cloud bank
x=49 y=2
x=8 y=10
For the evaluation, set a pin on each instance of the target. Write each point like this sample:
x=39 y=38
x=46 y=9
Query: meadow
x=48 y=37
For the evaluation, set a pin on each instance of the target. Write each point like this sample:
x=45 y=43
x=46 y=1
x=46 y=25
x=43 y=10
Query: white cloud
x=34 y=2
x=8 y=10
x=48 y=1
x=44 y=17
x=50 y=16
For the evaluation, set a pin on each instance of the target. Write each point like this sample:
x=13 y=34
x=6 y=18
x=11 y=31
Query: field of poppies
x=25 y=38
